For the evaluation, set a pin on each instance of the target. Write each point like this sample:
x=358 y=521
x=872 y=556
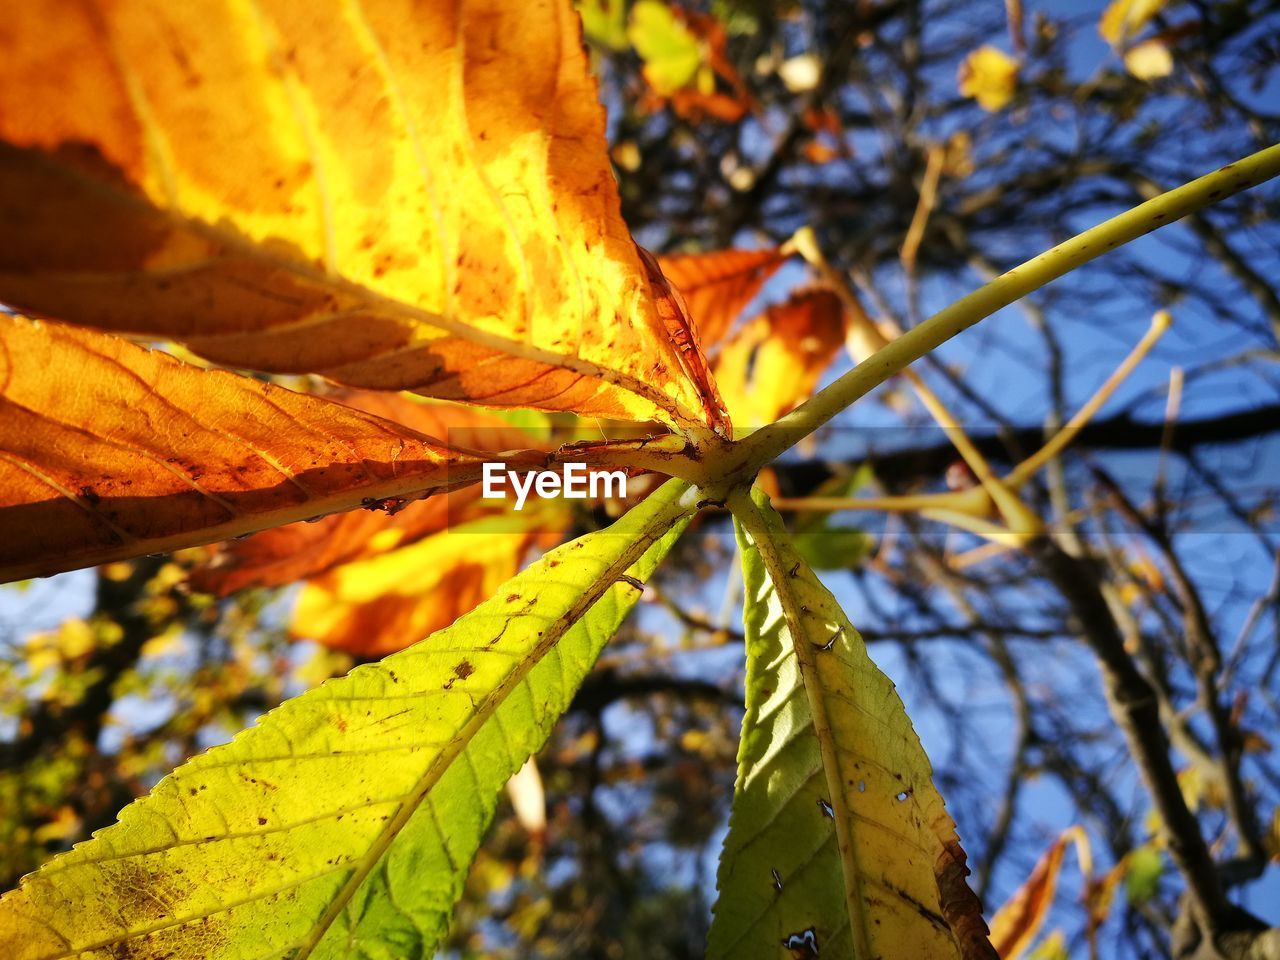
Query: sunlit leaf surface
x=109 y=451
x=838 y=841
x=395 y=195
x=343 y=823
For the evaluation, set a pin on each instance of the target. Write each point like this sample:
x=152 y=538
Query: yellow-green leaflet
x=839 y=844
x=342 y=825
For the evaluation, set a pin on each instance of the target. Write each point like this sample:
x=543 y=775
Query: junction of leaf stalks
x=701 y=457
x=717 y=466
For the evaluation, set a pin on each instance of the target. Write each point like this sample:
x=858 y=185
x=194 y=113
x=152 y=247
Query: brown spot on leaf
x=960 y=905
x=461 y=671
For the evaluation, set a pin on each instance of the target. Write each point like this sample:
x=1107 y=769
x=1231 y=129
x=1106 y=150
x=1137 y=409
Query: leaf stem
x=766 y=444
x=1060 y=440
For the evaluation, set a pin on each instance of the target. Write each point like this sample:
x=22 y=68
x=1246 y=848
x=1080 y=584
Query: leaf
x=1144 y=867
x=671 y=52
x=377 y=605
x=1149 y=60
x=829 y=547
x=605 y=22
x=773 y=364
x=1053 y=947
x=1017 y=922
x=352 y=189
x=695 y=105
x=718 y=285
x=818 y=153
x=1271 y=842
x=838 y=839
x=1125 y=18
x=990 y=76
x=110 y=451
x=348 y=815
x=283 y=555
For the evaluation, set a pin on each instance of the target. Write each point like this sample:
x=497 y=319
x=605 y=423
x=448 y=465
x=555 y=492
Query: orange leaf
x=694 y=105
x=282 y=555
x=774 y=363
x=683 y=335
x=381 y=604
x=297 y=187
x=109 y=451
x=718 y=285
x=1016 y=923
x=819 y=153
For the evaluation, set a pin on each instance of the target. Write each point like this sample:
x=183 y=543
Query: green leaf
x=824 y=545
x=838 y=842
x=740 y=19
x=672 y=55
x=832 y=548
x=1142 y=878
x=342 y=824
x=605 y=22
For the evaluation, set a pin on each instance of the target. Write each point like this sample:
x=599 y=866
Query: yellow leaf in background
x=374 y=606
x=40 y=655
x=392 y=195
x=1124 y=18
x=1053 y=947
x=1149 y=60
x=75 y=638
x=321 y=665
x=990 y=76
x=166 y=642
x=65 y=824
x=1201 y=790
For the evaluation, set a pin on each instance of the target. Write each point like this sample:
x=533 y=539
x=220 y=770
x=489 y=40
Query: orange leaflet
x=695 y=105
x=280 y=556
x=684 y=336
x=773 y=364
x=360 y=193
x=109 y=451
x=1016 y=923
x=718 y=285
x=380 y=604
